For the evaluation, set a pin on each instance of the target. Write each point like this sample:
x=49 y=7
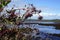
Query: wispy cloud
x=47 y=10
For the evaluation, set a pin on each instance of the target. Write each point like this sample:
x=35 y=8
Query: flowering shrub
x=12 y=19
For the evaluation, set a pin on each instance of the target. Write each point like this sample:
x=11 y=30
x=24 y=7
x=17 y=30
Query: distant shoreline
x=46 y=20
x=56 y=22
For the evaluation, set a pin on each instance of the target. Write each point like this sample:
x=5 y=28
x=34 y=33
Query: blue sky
x=50 y=8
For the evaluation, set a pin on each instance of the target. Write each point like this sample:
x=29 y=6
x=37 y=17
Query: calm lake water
x=48 y=29
x=44 y=30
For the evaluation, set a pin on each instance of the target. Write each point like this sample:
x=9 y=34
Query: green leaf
x=0 y=5
x=4 y=3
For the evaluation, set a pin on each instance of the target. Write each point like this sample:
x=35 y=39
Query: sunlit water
x=44 y=30
x=48 y=29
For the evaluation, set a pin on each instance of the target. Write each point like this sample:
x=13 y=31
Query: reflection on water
x=48 y=29
x=43 y=30
x=47 y=22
